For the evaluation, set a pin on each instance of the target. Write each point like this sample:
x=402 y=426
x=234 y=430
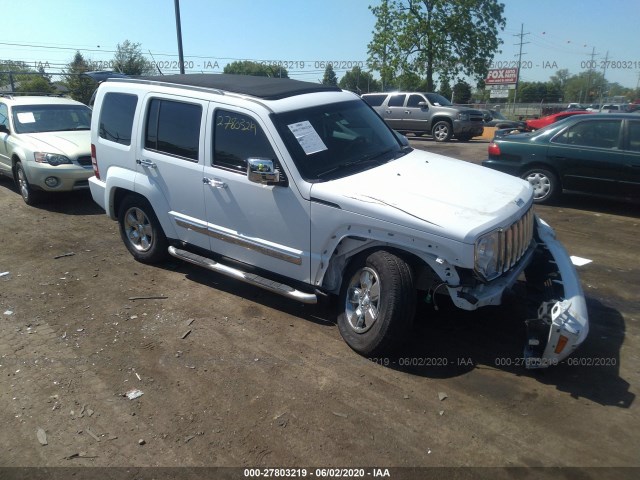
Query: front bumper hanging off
x=561 y=325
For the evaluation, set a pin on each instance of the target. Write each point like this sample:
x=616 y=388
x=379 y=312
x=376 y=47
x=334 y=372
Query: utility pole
x=591 y=64
x=179 y=32
x=521 y=35
x=604 y=76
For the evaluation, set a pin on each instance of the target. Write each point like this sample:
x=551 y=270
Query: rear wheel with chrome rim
x=141 y=231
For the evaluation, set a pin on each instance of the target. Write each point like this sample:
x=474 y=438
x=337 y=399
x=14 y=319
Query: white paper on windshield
x=26 y=117
x=307 y=137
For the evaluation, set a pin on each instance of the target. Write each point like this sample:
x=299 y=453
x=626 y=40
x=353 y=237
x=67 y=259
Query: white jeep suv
x=307 y=190
x=45 y=144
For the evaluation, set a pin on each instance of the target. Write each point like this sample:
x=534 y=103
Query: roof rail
x=22 y=94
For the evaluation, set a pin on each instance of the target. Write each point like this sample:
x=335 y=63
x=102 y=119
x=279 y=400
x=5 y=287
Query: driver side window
x=414 y=100
x=236 y=138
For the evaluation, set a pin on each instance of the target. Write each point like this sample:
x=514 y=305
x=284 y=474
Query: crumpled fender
x=568 y=318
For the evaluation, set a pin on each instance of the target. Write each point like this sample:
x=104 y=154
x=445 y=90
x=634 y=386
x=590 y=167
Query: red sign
x=501 y=76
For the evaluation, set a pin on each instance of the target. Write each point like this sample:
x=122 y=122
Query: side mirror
x=262 y=170
x=423 y=104
x=4 y=129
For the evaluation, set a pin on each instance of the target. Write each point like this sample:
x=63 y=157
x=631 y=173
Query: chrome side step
x=253 y=279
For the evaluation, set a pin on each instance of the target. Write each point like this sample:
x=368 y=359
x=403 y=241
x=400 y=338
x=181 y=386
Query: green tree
x=559 y=80
x=585 y=87
x=16 y=68
x=445 y=88
x=461 y=92
x=129 y=59
x=80 y=87
x=35 y=84
x=247 y=67
x=445 y=37
x=358 y=81
x=329 y=77
x=409 y=81
x=384 y=52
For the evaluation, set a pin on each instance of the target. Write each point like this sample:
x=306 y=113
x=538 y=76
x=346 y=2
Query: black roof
x=267 y=88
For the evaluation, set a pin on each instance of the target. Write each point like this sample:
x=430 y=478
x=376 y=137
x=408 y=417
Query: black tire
x=545 y=183
x=442 y=131
x=140 y=230
x=29 y=195
x=377 y=303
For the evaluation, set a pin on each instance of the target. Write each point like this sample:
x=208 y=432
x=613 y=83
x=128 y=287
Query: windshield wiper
x=372 y=158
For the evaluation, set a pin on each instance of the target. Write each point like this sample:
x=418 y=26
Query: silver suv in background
x=45 y=144
x=426 y=113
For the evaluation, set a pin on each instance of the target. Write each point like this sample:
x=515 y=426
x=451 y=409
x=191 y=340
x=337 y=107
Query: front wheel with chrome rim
x=141 y=231
x=29 y=196
x=546 y=186
x=442 y=131
x=377 y=302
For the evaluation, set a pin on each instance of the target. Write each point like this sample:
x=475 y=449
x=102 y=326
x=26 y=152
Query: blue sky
x=305 y=33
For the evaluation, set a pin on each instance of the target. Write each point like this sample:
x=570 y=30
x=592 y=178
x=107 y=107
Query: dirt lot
x=234 y=376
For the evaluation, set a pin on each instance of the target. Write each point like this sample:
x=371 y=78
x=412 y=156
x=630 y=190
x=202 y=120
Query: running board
x=253 y=279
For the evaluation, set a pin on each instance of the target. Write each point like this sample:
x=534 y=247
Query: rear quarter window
x=116 y=117
x=374 y=100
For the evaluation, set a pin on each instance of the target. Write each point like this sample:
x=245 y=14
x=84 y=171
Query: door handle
x=408 y=112
x=387 y=111
x=146 y=163
x=214 y=182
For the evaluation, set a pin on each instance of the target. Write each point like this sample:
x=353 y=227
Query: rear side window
x=238 y=137
x=397 y=100
x=173 y=128
x=116 y=117
x=591 y=133
x=374 y=100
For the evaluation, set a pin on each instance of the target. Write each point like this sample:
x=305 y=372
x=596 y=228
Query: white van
x=308 y=192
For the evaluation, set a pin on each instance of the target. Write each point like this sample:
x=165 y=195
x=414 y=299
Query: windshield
x=50 y=118
x=438 y=100
x=334 y=140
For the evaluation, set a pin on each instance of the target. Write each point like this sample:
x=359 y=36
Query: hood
x=433 y=193
x=460 y=108
x=72 y=144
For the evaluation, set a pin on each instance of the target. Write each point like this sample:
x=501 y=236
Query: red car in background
x=538 y=123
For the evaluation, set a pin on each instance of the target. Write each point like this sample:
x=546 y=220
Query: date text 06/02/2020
x=317 y=472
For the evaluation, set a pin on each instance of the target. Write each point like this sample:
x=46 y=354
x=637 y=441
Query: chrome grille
x=514 y=241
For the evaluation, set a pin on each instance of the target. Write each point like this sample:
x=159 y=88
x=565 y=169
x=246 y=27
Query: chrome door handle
x=214 y=182
x=146 y=163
